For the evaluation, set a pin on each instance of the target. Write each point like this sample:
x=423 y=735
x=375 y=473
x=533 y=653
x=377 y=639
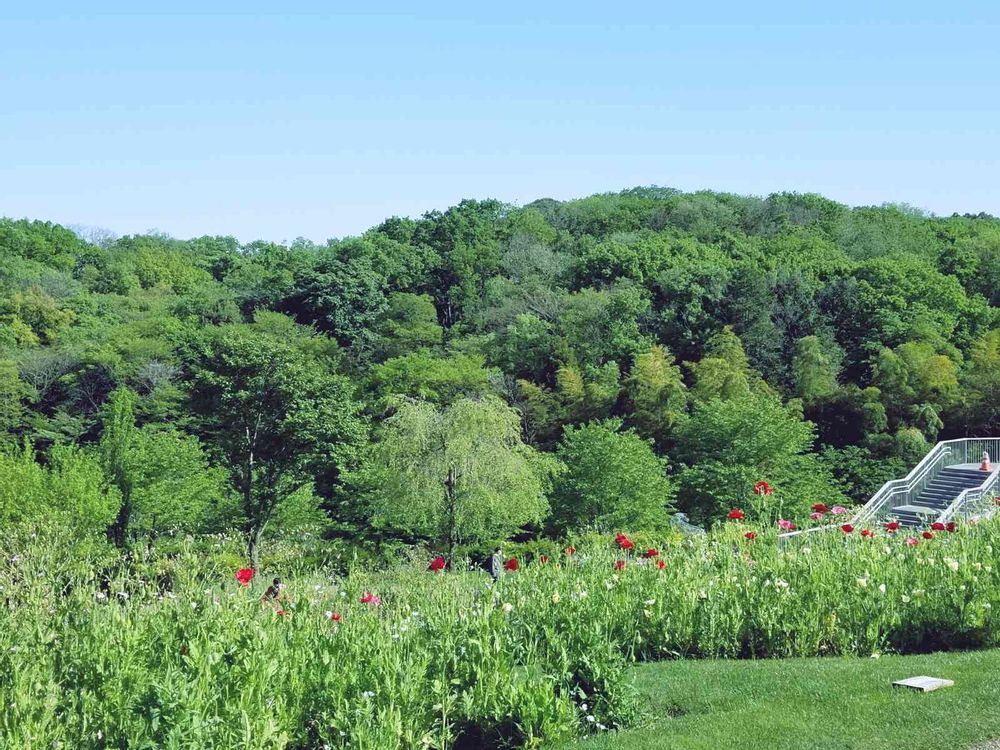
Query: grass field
x=813 y=704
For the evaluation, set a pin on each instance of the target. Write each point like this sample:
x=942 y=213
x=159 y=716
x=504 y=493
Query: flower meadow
x=173 y=648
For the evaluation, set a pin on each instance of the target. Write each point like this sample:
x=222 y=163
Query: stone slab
x=924 y=684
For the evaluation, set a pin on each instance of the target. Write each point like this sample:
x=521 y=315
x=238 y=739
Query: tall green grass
x=166 y=650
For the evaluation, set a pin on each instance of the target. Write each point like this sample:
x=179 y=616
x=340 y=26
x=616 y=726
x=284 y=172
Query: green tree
x=456 y=474
x=409 y=323
x=724 y=372
x=815 y=368
x=657 y=394
x=275 y=416
x=119 y=455
x=13 y=394
x=431 y=377
x=612 y=480
x=981 y=386
x=729 y=444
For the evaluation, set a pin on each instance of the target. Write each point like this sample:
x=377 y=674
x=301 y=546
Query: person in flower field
x=276 y=596
x=496 y=564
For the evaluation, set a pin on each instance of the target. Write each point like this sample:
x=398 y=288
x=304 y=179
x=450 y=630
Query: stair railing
x=898 y=492
x=976 y=501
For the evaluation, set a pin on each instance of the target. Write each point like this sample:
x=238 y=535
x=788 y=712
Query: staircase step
x=918 y=510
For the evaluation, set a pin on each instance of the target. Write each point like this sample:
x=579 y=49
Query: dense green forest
x=492 y=372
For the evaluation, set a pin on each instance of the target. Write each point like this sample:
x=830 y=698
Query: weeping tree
x=456 y=474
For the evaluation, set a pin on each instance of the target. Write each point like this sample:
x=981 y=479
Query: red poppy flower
x=335 y=616
x=937 y=526
x=820 y=508
x=651 y=552
x=280 y=612
x=751 y=535
x=892 y=526
x=951 y=527
x=245 y=575
x=847 y=528
x=624 y=542
x=511 y=564
x=927 y=535
x=736 y=514
x=762 y=488
x=619 y=564
x=543 y=559
x=372 y=599
x=867 y=532
x=570 y=551
x=437 y=564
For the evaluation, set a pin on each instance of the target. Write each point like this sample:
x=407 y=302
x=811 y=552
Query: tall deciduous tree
x=456 y=474
x=612 y=480
x=276 y=416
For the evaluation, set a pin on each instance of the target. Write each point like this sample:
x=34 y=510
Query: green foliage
x=444 y=659
x=657 y=393
x=276 y=417
x=612 y=480
x=877 y=325
x=728 y=445
x=456 y=474
x=71 y=493
x=431 y=377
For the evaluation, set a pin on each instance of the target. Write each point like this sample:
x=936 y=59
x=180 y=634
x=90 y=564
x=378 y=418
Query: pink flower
x=910 y=541
x=816 y=516
x=371 y=599
x=838 y=510
x=785 y=525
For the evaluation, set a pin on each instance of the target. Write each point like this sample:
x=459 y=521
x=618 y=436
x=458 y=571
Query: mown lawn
x=805 y=704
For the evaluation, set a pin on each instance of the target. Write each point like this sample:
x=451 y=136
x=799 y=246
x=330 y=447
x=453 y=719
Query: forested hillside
x=491 y=371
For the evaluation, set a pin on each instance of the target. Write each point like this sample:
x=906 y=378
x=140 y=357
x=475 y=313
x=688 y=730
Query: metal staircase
x=947 y=485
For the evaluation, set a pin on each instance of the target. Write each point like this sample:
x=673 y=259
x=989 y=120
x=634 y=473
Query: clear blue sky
x=318 y=119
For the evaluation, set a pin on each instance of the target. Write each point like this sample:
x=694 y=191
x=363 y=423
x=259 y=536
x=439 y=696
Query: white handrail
x=907 y=483
x=927 y=469
x=972 y=493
